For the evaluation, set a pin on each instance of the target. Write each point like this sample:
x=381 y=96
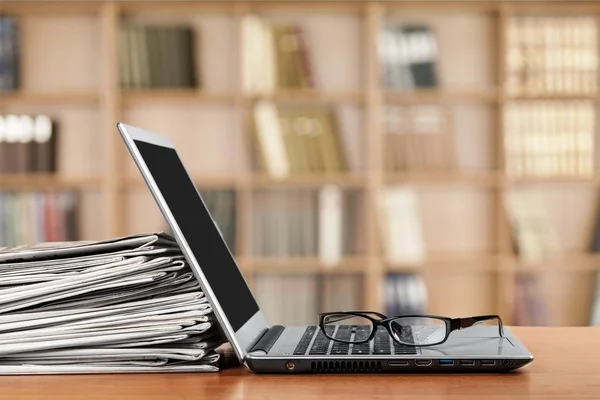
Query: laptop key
x=304 y=342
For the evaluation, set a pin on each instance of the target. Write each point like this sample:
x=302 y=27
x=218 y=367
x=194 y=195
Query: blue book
x=9 y=57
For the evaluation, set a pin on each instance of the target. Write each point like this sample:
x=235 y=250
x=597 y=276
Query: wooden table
x=566 y=365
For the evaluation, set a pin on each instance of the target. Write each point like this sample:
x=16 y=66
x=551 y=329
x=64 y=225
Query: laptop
x=291 y=349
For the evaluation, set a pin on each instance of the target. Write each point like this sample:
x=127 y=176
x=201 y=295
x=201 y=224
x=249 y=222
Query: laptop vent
x=345 y=366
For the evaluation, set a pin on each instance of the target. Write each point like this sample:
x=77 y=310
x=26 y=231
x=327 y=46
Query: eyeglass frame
x=452 y=324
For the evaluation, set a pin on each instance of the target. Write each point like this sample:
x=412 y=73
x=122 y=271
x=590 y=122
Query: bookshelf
x=470 y=266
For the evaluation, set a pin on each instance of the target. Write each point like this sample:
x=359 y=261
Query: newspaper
x=129 y=304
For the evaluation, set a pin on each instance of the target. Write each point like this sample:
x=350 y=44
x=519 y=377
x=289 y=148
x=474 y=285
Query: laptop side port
x=398 y=363
x=488 y=363
x=446 y=363
x=466 y=363
x=423 y=363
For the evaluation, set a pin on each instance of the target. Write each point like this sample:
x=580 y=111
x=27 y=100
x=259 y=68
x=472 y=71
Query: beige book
x=309 y=129
x=134 y=35
x=592 y=55
x=330 y=225
x=258 y=56
x=289 y=140
x=281 y=46
x=270 y=140
x=585 y=139
x=534 y=233
x=124 y=57
x=301 y=125
x=267 y=68
x=251 y=46
x=401 y=225
x=330 y=143
x=394 y=128
x=514 y=56
x=288 y=59
x=511 y=160
x=305 y=128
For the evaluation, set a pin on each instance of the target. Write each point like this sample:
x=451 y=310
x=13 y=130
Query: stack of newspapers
x=123 y=305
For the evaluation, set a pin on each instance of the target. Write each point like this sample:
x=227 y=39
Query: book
x=318 y=224
x=341 y=292
x=533 y=233
x=30 y=217
x=595 y=242
x=552 y=55
x=297 y=299
x=399 y=219
x=222 y=207
x=9 y=54
x=408 y=56
x=270 y=141
x=530 y=307
x=404 y=294
x=157 y=56
x=549 y=138
x=274 y=56
x=595 y=309
x=27 y=144
x=297 y=140
x=330 y=224
x=418 y=138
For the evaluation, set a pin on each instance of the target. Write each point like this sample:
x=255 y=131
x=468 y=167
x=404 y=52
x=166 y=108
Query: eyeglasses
x=409 y=330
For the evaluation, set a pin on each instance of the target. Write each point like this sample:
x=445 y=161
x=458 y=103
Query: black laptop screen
x=194 y=221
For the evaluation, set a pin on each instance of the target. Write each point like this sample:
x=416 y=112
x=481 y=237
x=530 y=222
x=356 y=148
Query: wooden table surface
x=566 y=365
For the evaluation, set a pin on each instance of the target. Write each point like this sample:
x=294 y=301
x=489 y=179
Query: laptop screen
x=200 y=232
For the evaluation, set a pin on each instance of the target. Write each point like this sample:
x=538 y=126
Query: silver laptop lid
x=198 y=236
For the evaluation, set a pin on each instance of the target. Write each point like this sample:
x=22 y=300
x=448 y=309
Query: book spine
x=330 y=225
x=308 y=78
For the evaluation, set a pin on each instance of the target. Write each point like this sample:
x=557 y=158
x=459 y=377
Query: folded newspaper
x=129 y=304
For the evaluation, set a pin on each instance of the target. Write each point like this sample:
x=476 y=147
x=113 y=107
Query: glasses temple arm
x=461 y=323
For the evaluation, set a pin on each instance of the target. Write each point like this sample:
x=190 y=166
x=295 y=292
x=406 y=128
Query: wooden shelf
x=201 y=181
x=435 y=96
x=34 y=181
x=175 y=7
x=308 y=265
x=59 y=98
x=479 y=178
x=446 y=7
x=136 y=97
x=309 y=95
x=555 y=96
x=569 y=262
x=592 y=180
x=49 y=8
x=344 y=180
x=450 y=262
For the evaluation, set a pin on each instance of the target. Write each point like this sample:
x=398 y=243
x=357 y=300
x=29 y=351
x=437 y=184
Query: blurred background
x=401 y=156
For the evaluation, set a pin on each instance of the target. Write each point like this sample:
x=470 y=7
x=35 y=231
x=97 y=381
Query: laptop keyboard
x=315 y=343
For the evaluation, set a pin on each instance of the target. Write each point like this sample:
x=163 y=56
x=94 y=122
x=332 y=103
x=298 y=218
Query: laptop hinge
x=267 y=339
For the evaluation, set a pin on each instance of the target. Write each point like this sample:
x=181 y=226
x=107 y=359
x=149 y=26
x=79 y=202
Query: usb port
x=468 y=363
x=446 y=363
x=423 y=363
x=488 y=363
x=400 y=363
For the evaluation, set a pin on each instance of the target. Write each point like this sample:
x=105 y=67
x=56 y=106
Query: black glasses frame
x=378 y=319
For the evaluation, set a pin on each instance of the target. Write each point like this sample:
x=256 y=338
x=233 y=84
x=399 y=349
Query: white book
x=255 y=55
x=330 y=225
x=270 y=140
x=401 y=224
x=267 y=66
